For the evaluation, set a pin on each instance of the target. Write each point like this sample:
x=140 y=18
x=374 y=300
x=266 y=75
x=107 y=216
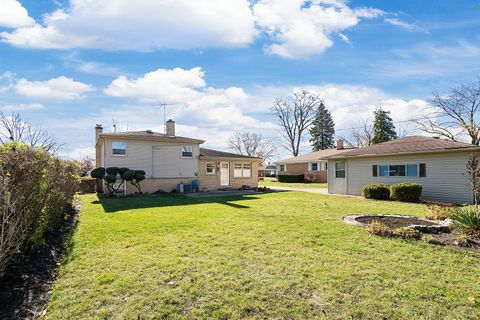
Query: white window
x=119 y=148
x=282 y=168
x=340 y=170
x=242 y=170
x=402 y=170
x=211 y=168
x=314 y=166
x=187 y=151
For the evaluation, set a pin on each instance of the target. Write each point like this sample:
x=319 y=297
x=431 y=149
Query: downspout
x=153 y=147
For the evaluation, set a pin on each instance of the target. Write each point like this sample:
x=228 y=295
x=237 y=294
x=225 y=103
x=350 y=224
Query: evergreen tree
x=322 y=131
x=383 y=127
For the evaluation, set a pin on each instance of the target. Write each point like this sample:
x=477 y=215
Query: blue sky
x=67 y=65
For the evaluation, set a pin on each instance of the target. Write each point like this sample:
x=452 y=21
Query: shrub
x=406 y=192
x=290 y=178
x=407 y=233
x=376 y=191
x=439 y=212
x=111 y=175
x=468 y=219
x=310 y=177
x=34 y=188
x=379 y=229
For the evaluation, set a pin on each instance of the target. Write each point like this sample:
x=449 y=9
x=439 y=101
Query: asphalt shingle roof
x=215 y=153
x=316 y=155
x=406 y=145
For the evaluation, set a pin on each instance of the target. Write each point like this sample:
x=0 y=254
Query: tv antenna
x=164 y=114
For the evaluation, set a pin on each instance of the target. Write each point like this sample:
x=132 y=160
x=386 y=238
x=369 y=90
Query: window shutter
x=374 y=170
x=422 y=168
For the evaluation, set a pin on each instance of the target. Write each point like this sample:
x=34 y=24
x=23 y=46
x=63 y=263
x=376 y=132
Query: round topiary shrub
x=129 y=175
x=140 y=172
x=113 y=170
x=110 y=178
x=376 y=191
x=406 y=192
x=122 y=170
x=98 y=173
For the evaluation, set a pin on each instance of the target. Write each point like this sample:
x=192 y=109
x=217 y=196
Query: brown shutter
x=374 y=170
x=422 y=168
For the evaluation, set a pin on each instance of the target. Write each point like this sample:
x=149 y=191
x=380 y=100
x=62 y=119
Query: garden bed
x=434 y=232
x=26 y=286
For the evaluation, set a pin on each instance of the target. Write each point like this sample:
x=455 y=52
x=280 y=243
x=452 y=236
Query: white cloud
x=142 y=25
x=21 y=107
x=14 y=15
x=61 y=88
x=406 y=25
x=162 y=85
x=303 y=28
x=79 y=153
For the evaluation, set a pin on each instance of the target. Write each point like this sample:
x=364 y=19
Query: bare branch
x=252 y=145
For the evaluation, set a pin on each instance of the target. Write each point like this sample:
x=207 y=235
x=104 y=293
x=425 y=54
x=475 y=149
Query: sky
x=66 y=65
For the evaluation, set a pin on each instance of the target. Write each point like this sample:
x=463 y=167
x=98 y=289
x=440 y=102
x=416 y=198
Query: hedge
x=290 y=178
x=406 y=192
x=376 y=191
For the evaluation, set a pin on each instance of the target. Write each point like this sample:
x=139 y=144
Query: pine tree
x=322 y=131
x=383 y=127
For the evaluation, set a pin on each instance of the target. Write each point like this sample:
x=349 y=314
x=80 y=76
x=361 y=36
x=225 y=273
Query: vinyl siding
x=446 y=180
x=212 y=182
x=167 y=161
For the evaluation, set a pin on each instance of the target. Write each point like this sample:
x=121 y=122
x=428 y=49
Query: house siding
x=164 y=161
x=212 y=182
x=446 y=175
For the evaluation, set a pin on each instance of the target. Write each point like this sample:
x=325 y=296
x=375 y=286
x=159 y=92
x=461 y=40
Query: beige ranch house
x=169 y=160
x=313 y=162
x=440 y=166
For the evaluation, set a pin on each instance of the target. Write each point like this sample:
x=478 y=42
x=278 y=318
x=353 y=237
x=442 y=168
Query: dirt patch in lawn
x=394 y=222
x=26 y=287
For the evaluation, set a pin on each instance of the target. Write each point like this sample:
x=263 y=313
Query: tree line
x=452 y=115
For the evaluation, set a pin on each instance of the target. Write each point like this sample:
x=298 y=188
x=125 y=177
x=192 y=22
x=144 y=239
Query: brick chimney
x=340 y=144
x=170 y=128
x=98 y=149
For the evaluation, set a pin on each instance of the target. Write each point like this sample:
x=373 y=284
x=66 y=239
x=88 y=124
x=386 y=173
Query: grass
x=268 y=182
x=274 y=256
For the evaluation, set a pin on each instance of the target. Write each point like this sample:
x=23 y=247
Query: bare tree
x=295 y=116
x=455 y=114
x=252 y=145
x=14 y=128
x=473 y=171
x=361 y=136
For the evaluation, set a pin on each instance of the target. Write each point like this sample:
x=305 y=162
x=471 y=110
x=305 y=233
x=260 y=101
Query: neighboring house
x=438 y=165
x=169 y=160
x=270 y=170
x=310 y=162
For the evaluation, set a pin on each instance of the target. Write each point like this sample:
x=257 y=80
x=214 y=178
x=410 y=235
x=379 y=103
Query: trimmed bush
x=98 y=173
x=379 y=229
x=290 y=178
x=310 y=177
x=407 y=233
x=112 y=170
x=376 y=191
x=406 y=192
x=468 y=219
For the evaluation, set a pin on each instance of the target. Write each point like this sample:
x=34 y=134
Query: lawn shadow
x=111 y=205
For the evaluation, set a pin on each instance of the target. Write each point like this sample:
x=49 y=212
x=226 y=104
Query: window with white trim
x=398 y=170
x=282 y=168
x=340 y=170
x=187 y=151
x=211 y=168
x=314 y=166
x=119 y=148
x=242 y=170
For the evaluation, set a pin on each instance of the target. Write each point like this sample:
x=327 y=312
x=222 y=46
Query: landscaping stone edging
x=442 y=226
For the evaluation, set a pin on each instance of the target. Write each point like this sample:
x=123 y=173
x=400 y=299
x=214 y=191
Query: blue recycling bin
x=195 y=185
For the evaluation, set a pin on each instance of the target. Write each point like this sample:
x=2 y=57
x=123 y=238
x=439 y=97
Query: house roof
x=149 y=135
x=412 y=144
x=204 y=152
x=316 y=155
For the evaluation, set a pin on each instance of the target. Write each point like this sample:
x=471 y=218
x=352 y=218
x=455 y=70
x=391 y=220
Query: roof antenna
x=161 y=104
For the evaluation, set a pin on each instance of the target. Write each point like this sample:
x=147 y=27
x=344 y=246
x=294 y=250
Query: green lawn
x=274 y=256
x=268 y=183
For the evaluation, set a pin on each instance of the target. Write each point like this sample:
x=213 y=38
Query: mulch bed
x=26 y=287
x=395 y=222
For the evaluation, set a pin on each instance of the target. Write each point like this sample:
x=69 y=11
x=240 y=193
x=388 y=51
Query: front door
x=224 y=174
x=340 y=174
